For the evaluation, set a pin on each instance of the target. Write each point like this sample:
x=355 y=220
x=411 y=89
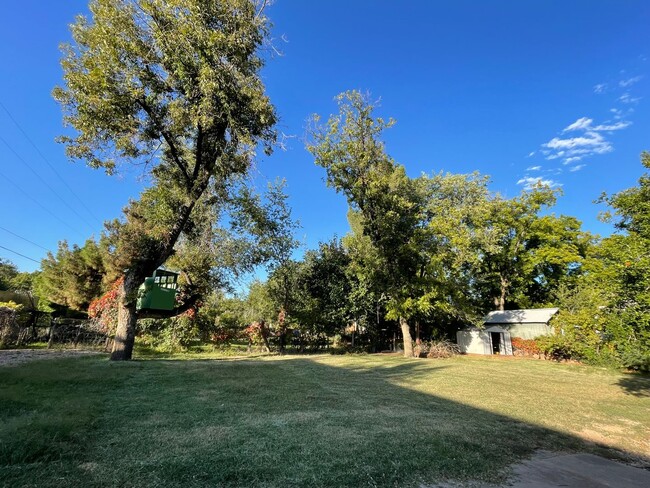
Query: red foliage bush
x=104 y=308
x=525 y=347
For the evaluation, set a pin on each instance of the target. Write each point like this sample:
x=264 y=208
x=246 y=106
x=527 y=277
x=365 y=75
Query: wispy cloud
x=618 y=113
x=589 y=143
x=585 y=123
x=530 y=182
x=578 y=167
x=612 y=127
x=581 y=123
x=585 y=137
x=572 y=159
x=600 y=88
x=629 y=81
x=627 y=98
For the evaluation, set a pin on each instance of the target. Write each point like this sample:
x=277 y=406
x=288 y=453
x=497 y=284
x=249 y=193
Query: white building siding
x=476 y=341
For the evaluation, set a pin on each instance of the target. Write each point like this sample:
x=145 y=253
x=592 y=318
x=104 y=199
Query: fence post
x=50 y=340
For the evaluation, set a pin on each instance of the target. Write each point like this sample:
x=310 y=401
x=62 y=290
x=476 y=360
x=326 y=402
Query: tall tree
x=530 y=255
x=625 y=268
x=412 y=237
x=173 y=84
x=270 y=224
x=350 y=149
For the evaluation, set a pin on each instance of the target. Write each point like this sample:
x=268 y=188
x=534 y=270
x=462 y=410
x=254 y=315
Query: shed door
x=496 y=342
x=506 y=343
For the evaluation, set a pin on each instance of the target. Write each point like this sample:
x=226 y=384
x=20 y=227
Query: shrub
x=559 y=348
x=525 y=347
x=105 y=308
x=636 y=360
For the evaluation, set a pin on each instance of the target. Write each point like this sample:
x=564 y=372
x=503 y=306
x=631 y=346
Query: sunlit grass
x=303 y=421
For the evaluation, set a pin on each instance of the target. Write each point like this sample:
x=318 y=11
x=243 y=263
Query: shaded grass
x=317 y=421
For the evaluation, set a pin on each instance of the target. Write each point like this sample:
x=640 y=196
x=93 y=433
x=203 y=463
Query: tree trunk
x=126 y=320
x=406 y=336
x=500 y=301
x=265 y=336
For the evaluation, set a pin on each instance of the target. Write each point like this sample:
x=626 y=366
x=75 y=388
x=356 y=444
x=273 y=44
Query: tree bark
x=500 y=301
x=406 y=336
x=127 y=318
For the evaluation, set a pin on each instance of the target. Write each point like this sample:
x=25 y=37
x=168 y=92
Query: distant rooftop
x=524 y=316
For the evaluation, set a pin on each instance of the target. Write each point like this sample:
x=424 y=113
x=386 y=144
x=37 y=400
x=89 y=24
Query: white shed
x=499 y=328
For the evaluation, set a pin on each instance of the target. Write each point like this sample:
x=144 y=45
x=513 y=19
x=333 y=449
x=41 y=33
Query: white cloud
x=531 y=154
x=629 y=81
x=581 y=123
x=627 y=98
x=589 y=143
x=531 y=182
x=533 y=168
x=611 y=127
x=592 y=139
x=577 y=168
x=618 y=113
x=550 y=156
x=572 y=159
x=600 y=88
x=585 y=123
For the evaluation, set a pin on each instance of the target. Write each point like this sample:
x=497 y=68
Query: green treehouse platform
x=158 y=292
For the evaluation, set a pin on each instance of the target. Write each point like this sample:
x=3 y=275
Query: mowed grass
x=330 y=421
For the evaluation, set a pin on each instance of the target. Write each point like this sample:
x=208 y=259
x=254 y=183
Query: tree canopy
x=173 y=85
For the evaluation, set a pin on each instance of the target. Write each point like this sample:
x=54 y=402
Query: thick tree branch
x=198 y=152
x=169 y=140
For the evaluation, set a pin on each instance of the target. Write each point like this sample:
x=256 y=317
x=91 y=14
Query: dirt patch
x=13 y=357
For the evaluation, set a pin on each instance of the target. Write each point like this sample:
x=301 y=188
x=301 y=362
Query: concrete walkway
x=549 y=470
x=577 y=471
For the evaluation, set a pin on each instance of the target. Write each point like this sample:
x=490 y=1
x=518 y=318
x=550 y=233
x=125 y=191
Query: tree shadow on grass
x=287 y=423
x=636 y=384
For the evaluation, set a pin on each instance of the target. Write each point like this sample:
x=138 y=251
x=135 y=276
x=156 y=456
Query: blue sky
x=550 y=90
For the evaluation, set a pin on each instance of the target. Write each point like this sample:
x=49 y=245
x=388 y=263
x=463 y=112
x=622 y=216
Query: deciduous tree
x=173 y=85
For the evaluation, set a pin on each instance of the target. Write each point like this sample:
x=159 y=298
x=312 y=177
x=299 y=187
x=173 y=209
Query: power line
x=40 y=204
x=47 y=161
x=24 y=239
x=21 y=255
x=45 y=182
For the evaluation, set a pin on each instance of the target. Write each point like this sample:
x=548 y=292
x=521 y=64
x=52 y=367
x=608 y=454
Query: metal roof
x=525 y=316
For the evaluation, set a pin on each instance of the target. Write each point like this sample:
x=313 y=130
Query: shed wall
x=480 y=342
x=527 y=331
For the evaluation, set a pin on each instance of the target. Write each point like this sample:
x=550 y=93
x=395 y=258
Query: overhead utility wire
x=83 y=204
x=24 y=239
x=46 y=183
x=40 y=204
x=21 y=255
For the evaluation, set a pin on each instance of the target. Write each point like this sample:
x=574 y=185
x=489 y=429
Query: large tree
x=350 y=149
x=625 y=271
x=173 y=85
x=530 y=255
x=412 y=237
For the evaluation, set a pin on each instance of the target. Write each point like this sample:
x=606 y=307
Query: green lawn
x=305 y=421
